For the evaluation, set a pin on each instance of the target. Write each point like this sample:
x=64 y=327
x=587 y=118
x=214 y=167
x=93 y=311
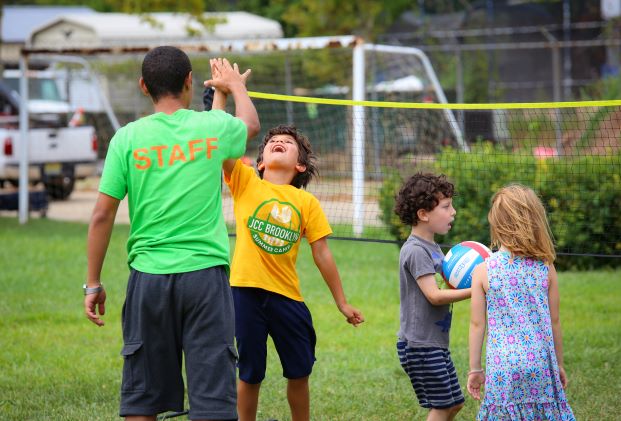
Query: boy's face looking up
x=281 y=151
x=294 y=154
x=439 y=220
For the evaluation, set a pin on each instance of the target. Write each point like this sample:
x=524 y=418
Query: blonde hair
x=518 y=222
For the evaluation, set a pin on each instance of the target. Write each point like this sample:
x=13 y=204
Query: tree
x=366 y=18
x=194 y=7
x=327 y=17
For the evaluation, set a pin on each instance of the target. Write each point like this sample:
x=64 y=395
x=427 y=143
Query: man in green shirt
x=178 y=297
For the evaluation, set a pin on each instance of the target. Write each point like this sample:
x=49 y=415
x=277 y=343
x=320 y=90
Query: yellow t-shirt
x=271 y=220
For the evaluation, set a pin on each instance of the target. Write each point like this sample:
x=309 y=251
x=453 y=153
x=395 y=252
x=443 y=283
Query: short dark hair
x=306 y=156
x=164 y=70
x=421 y=191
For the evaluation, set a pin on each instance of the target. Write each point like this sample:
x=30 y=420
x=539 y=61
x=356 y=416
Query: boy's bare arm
x=219 y=103
x=325 y=263
x=219 y=100
x=99 y=232
x=437 y=296
x=227 y=79
x=219 y=97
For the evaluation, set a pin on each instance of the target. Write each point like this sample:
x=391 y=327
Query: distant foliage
x=388 y=194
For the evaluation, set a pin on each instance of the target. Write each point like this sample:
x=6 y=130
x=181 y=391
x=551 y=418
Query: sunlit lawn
x=55 y=365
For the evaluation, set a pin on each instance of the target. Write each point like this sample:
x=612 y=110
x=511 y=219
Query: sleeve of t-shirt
x=420 y=263
x=317 y=226
x=114 y=176
x=240 y=177
x=234 y=134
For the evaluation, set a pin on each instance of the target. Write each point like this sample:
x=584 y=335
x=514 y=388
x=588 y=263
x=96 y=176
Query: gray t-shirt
x=421 y=323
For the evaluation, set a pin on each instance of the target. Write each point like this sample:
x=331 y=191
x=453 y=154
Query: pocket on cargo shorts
x=134 y=373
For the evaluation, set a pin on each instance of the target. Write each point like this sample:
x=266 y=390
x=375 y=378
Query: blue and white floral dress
x=522 y=379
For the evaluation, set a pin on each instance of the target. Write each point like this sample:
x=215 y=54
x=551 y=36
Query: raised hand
x=225 y=77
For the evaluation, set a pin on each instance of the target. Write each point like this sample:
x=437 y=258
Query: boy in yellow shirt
x=273 y=213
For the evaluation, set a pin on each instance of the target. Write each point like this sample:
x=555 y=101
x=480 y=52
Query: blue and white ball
x=460 y=261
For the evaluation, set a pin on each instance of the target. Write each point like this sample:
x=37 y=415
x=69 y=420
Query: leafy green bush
x=581 y=194
x=388 y=194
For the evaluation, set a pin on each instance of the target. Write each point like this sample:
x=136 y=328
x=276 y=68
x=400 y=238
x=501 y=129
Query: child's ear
x=188 y=81
x=300 y=167
x=422 y=215
x=261 y=166
x=143 y=86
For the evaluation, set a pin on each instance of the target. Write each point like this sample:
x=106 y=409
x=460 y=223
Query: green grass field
x=56 y=365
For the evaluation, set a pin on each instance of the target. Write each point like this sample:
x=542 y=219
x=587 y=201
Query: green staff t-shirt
x=170 y=167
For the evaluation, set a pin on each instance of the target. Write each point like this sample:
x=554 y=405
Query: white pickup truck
x=59 y=152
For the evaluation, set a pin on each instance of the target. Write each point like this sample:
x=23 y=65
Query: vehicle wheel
x=60 y=188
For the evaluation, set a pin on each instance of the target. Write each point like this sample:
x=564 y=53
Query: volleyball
x=460 y=261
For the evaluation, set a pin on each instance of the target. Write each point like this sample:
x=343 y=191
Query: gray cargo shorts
x=166 y=318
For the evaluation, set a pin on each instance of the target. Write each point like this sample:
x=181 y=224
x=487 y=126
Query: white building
x=123 y=30
x=19 y=21
x=75 y=28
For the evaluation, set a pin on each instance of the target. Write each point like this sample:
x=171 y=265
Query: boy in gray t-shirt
x=425 y=203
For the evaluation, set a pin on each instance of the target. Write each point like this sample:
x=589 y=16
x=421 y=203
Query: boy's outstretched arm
x=437 y=296
x=221 y=75
x=214 y=99
x=219 y=100
x=325 y=262
x=99 y=231
x=226 y=78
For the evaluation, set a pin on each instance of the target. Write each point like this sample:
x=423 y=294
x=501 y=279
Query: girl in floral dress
x=524 y=377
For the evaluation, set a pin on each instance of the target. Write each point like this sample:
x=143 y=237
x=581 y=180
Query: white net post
x=23 y=142
x=358 y=136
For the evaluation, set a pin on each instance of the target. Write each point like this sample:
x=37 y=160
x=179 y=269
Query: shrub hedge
x=582 y=195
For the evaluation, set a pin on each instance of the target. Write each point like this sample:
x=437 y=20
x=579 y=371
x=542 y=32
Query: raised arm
x=223 y=76
x=325 y=263
x=476 y=376
x=229 y=81
x=219 y=100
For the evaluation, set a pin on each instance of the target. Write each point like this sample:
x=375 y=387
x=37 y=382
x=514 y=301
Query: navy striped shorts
x=432 y=374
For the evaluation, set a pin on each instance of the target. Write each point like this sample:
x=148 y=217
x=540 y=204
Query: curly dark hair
x=164 y=70
x=421 y=191
x=305 y=155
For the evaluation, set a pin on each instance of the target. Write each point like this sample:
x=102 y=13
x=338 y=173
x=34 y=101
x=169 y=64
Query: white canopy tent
x=409 y=83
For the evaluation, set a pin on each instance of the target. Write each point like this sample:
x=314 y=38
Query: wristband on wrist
x=480 y=370
x=92 y=290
